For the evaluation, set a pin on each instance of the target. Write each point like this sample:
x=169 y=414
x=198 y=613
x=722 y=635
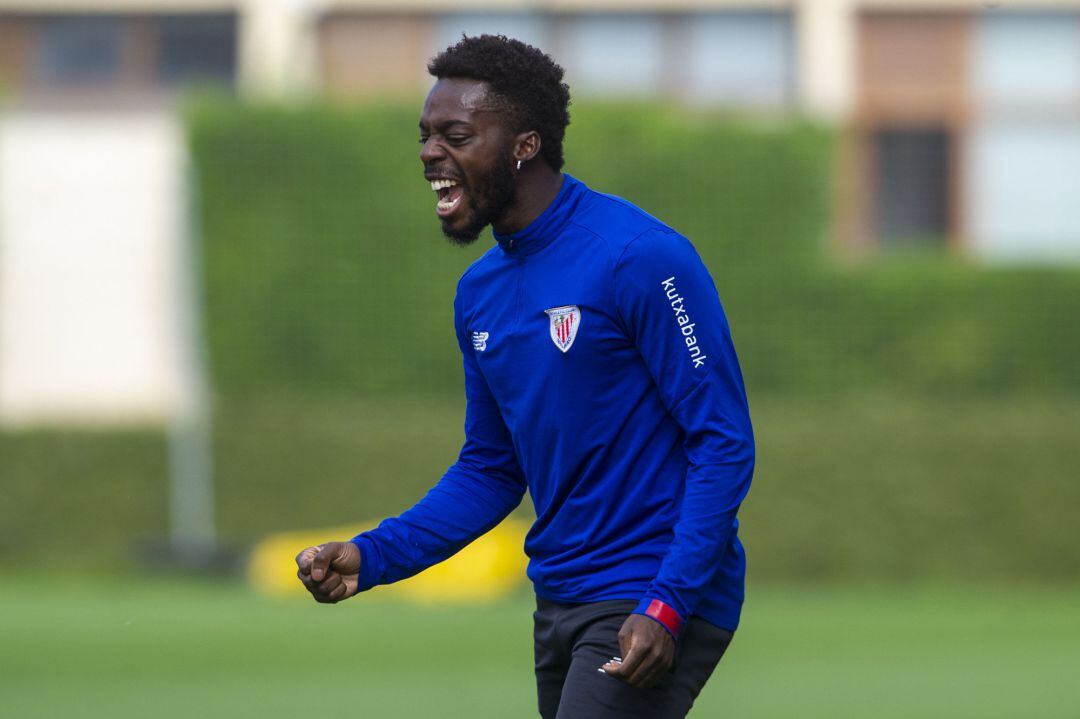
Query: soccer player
x=600 y=376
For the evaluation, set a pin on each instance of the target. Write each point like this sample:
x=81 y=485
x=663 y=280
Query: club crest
x=479 y=341
x=563 y=324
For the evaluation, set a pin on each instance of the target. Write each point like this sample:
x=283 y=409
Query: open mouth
x=449 y=194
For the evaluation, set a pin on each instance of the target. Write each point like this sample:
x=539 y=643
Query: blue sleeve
x=475 y=494
x=671 y=309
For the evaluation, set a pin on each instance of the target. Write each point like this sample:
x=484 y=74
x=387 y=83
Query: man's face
x=468 y=157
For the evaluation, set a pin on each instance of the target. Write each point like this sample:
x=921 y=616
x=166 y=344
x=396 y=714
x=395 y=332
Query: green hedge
x=326 y=270
x=880 y=488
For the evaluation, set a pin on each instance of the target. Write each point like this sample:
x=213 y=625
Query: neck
x=536 y=187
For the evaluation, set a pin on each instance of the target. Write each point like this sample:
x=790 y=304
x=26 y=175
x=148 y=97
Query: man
x=599 y=375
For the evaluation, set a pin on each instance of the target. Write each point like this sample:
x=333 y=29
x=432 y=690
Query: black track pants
x=574 y=640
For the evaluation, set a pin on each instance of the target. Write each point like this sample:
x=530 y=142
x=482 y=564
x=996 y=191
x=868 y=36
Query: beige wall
x=912 y=67
x=14 y=41
x=380 y=53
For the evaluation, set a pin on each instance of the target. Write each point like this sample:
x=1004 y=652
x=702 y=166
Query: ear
x=527 y=146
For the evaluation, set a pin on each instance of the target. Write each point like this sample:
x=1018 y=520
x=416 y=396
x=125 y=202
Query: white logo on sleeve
x=686 y=327
x=563 y=325
x=479 y=341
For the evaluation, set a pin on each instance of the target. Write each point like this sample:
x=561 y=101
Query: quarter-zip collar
x=539 y=233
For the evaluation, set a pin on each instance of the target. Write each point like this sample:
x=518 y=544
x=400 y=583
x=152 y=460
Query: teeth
x=437 y=185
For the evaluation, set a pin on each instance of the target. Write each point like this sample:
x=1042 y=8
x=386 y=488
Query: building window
x=1021 y=176
x=76 y=50
x=912 y=181
x=1025 y=59
x=1025 y=189
x=196 y=48
x=615 y=55
x=740 y=58
x=527 y=27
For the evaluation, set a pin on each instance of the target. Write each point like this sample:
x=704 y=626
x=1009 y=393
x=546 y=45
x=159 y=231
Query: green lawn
x=71 y=647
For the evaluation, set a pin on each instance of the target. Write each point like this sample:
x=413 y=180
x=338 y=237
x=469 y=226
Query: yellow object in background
x=489 y=568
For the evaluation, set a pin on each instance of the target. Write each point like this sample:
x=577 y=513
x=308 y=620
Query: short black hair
x=524 y=79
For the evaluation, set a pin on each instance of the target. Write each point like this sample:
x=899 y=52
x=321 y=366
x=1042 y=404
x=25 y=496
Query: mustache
x=444 y=172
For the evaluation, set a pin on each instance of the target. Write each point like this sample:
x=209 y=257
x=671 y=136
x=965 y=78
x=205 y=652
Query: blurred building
x=964 y=115
x=94 y=48
x=960 y=119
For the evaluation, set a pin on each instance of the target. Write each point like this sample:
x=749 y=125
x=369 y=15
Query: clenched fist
x=648 y=652
x=329 y=571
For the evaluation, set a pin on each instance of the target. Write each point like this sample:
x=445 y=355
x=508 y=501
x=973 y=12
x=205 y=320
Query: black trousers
x=572 y=641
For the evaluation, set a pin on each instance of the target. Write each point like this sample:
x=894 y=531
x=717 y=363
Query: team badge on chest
x=563 y=323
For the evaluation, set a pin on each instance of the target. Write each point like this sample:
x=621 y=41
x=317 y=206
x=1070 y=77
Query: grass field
x=71 y=647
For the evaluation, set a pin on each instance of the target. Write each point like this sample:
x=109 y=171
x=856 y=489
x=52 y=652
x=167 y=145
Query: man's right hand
x=330 y=571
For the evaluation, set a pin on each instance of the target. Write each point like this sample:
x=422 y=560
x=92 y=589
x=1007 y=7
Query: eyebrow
x=447 y=124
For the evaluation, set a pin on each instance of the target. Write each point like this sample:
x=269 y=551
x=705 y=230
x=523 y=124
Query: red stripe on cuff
x=666 y=616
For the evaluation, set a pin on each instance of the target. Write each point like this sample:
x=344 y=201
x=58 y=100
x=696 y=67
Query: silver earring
x=519 y=164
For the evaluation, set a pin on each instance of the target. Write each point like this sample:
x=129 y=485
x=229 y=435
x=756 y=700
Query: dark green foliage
x=863 y=486
x=80 y=499
x=326 y=269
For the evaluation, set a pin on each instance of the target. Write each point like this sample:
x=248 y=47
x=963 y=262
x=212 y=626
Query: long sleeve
x=482 y=487
x=670 y=307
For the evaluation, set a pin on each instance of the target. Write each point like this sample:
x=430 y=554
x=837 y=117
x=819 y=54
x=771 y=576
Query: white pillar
x=826 y=42
x=277 y=47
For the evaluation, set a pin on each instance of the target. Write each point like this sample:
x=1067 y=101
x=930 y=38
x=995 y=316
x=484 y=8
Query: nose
x=431 y=151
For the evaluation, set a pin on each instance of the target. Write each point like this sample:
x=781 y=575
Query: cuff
x=369 y=563
x=662 y=613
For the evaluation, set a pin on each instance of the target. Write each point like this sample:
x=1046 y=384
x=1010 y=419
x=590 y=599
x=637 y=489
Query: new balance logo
x=685 y=325
x=479 y=341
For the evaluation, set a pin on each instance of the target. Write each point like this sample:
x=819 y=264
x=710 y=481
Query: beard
x=492 y=197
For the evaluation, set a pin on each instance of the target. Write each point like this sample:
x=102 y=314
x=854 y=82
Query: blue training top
x=600 y=375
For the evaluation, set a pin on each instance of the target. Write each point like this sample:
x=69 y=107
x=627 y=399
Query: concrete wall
x=92 y=299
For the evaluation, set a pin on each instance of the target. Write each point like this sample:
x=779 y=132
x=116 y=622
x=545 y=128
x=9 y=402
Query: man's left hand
x=648 y=652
